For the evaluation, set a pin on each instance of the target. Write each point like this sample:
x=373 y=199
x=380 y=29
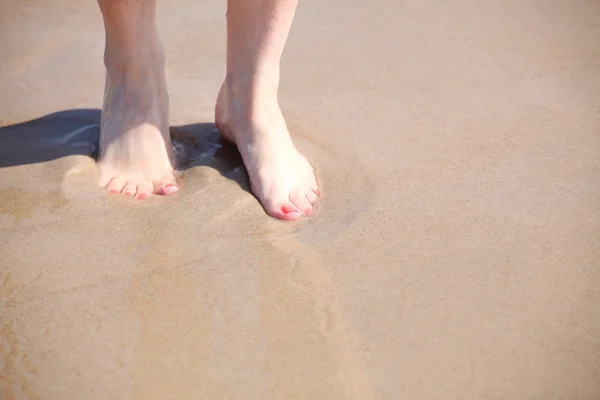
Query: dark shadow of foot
x=76 y=132
x=56 y=135
x=201 y=144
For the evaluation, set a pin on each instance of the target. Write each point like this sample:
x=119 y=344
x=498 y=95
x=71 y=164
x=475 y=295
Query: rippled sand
x=455 y=254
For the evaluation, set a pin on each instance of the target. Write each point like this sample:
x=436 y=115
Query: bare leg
x=247 y=111
x=135 y=148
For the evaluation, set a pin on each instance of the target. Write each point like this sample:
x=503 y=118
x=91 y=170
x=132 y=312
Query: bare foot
x=135 y=147
x=280 y=177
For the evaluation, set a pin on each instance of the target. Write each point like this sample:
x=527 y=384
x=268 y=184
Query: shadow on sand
x=76 y=132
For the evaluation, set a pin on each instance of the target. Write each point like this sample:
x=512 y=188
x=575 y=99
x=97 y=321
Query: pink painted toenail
x=288 y=210
x=142 y=196
x=113 y=191
x=169 y=189
x=128 y=194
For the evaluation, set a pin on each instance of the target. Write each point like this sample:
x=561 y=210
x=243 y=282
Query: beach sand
x=455 y=253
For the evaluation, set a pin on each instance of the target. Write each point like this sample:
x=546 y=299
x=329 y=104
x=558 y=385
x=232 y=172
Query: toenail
x=128 y=194
x=114 y=191
x=288 y=209
x=308 y=212
x=170 y=188
x=142 y=196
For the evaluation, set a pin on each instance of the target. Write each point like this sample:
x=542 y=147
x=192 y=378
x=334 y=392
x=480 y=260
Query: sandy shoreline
x=455 y=253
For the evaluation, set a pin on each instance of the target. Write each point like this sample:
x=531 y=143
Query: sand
x=455 y=253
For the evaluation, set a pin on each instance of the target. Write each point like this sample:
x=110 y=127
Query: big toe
x=167 y=184
x=168 y=187
x=280 y=207
x=286 y=212
x=288 y=206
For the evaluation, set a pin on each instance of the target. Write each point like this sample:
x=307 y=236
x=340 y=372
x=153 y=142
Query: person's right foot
x=135 y=146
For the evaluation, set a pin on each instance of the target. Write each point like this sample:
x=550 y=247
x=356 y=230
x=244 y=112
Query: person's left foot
x=280 y=177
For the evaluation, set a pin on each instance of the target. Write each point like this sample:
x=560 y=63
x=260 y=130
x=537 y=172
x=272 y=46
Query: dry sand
x=455 y=254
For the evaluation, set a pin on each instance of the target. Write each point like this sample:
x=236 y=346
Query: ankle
x=250 y=96
x=130 y=64
x=249 y=81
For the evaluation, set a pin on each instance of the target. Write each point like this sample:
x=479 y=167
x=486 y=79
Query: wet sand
x=455 y=253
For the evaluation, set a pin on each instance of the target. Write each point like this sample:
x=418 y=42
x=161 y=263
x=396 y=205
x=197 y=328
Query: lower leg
x=135 y=148
x=248 y=113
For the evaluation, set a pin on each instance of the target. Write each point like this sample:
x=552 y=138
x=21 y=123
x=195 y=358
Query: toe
x=314 y=185
x=104 y=179
x=115 y=185
x=129 y=189
x=169 y=188
x=144 y=190
x=167 y=185
x=286 y=212
x=299 y=199
x=279 y=208
x=312 y=196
